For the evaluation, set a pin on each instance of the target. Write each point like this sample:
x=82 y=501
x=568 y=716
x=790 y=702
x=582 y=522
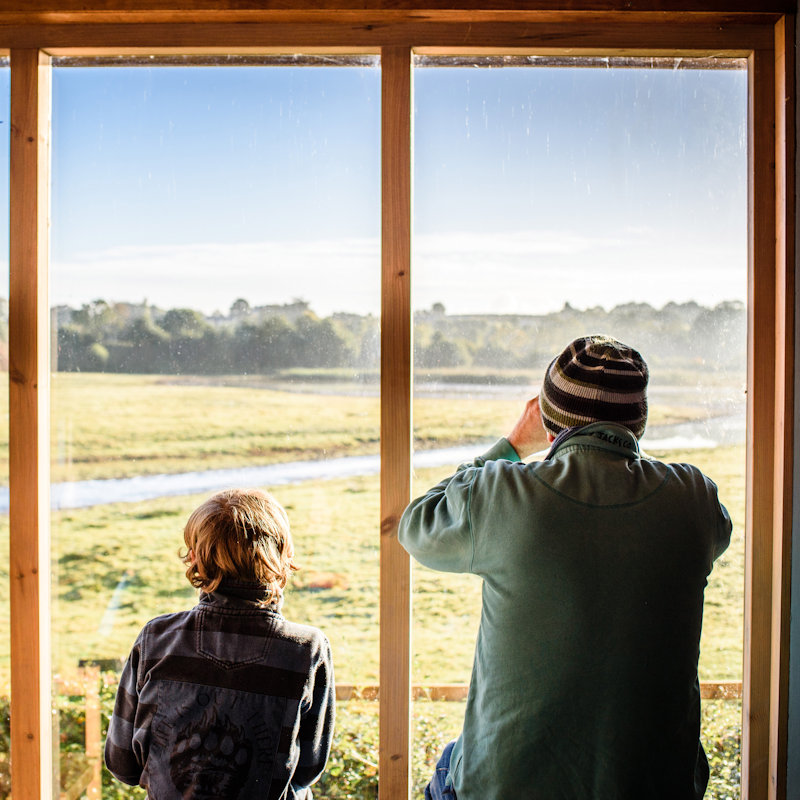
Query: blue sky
x=588 y=186
x=532 y=186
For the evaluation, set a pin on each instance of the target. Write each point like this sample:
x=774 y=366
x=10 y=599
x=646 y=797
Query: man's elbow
x=403 y=531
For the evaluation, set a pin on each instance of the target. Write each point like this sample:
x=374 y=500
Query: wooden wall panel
x=29 y=429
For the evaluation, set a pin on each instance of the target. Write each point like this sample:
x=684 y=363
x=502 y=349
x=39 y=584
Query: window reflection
x=560 y=197
x=215 y=281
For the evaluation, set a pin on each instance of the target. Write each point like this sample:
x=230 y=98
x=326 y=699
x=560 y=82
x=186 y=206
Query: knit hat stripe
x=596 y=406
x=618 y=393
x=562 y=420
x=605 y=370
x=596 y=378
x=619 y=363
x=621 y=371
x=570 y=420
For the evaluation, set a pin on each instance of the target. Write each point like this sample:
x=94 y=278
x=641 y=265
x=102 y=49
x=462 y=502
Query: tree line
x=140 y=338
x=682 y=335
x=123 y=337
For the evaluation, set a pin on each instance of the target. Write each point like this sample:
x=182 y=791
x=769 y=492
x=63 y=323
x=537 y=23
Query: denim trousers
x=440 y=787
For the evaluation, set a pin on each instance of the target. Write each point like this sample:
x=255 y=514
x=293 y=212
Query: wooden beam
x=64 y=11
x=784 y=66
x=761 y=428
x=379 y=18
x=29 y=452
x=395 y=569
x=601 y=35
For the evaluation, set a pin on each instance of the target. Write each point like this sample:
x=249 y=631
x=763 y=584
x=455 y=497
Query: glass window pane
x=554 y=198
x=215 y=288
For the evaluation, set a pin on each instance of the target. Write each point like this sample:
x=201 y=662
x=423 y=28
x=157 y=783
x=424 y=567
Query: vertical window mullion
x=784 y=402
x=29 y=374
x=761 y=430
x=395 y=569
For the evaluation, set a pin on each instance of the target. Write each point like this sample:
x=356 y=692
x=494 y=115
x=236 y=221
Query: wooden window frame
x=763 y=32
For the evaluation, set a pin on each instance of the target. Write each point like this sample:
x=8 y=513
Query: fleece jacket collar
x=608 y=436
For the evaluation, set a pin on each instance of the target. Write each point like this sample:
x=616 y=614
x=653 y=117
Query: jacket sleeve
x=722 y=522
x=316 y=721
x=437 y=528
x=120 y=754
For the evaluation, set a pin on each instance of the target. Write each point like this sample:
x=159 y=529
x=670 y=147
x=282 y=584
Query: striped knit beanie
x=595 y=379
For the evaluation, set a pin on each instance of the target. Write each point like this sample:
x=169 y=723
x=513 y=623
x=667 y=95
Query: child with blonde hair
x=229 y=699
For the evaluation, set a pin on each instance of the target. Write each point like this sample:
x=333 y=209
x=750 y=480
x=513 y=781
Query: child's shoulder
x=303 y=634
x=170 y=621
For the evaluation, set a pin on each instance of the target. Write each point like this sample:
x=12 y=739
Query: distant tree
x=330 y=347
x=135 y=337
x=184 y=322
x=263 y=347
x=369 y=348
x=96 y=357
x=217 y=351
x=98 y=319
x=719 y=335
x=442 y=352
x=306 y=341
x=191 y=340
x=149 y=346
x=240 y=308
x=489 y=355
x=72 y=344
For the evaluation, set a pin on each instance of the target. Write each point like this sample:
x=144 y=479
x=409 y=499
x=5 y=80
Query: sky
x=533 y=186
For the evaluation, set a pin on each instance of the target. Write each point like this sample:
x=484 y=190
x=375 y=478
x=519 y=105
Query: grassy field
x=132 y=548
x=116 y=426
x=116 y=565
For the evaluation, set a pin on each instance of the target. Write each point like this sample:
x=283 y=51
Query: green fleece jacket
x=594 y=563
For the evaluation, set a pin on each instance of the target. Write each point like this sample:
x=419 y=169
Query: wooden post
x=29 y=457
x=761 y=481
x=92 y=732
x=784 y=67
x=395 y=571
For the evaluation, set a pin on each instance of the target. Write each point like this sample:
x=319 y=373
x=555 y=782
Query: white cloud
x=517 y=272
x=334 y=275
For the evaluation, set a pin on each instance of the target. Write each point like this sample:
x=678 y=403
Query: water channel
x=711 y=432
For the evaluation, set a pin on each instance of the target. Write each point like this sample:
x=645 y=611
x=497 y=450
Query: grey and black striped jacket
x=227 y=700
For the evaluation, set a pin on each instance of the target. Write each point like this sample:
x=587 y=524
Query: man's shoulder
x=679 y=470
x=598 y=478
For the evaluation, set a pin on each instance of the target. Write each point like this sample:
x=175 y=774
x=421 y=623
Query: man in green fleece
x=594 y=562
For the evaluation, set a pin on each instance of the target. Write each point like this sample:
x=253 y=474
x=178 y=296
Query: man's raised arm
x=436 y=528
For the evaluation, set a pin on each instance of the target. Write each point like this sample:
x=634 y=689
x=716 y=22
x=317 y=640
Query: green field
x=335 y=526
x=117 y=426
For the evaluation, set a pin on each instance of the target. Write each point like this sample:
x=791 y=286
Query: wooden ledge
x=456 y=692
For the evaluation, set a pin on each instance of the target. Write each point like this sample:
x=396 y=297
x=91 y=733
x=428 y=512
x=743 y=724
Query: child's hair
x=240 y=535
